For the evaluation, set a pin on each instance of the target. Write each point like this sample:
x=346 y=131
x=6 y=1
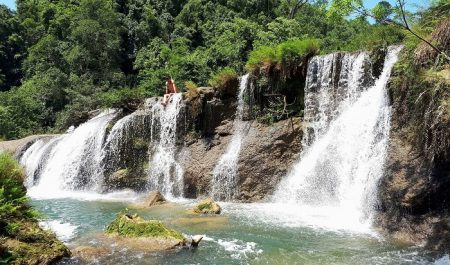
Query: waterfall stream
x=338 y=173
x=333 y=82
x=225 y=176
x=166 y=174
x=69 y=162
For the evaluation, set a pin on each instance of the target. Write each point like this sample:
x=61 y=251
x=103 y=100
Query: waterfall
x=225 y=175
x=70 y=161
x=350 y=124
x=32 y=158
x=126 y=145
x=166 y=174
x=333 y=82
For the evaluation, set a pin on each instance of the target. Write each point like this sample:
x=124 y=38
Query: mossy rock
x=32 y=245
x=127 y=225
x=207 y=206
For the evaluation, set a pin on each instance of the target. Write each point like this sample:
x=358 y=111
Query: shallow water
x=243 y=234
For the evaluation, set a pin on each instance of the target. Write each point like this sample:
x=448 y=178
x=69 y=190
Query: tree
x=383 y=13
x=11 y=49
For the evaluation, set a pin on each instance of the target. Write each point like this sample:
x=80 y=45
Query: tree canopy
x=60 y=59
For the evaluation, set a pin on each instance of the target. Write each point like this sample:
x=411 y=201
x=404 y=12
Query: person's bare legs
x=166 y=99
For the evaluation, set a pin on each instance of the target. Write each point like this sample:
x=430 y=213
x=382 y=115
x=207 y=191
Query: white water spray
x=328 y=91
x=166 y=174
x=73 y=162
x=338 y=173
x=225 y=175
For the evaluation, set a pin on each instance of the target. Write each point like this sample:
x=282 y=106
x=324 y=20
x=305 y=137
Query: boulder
x=134 y=230
x=120 y=175
x=153 y=198
x=207 y=206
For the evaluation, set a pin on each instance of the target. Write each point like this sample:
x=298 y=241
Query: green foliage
x=382 y=11
x=421 y=89
x=21 y=112
x=31 y=245
x=343 y=8
x=223 y=76
x=225 y=81
x=285 y=54
x=123 y=98
x=11 y=49
x=67 y=58
x=134 y=226
x=12 y=192
x=263 y=56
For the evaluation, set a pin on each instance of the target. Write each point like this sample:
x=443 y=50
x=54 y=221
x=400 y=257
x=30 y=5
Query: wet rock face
x=414 y=194
x=267 y=153
x=266 y=156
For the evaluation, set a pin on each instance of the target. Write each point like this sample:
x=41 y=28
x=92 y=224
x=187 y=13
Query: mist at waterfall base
x=314 y=218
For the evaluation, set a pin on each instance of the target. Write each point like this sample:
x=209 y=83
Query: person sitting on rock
x=171 y=88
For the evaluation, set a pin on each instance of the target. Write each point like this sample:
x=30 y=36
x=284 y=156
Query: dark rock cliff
x=415 y=192
x=266 y=155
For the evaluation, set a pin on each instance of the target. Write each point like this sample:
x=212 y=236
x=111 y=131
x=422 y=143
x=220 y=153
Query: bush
x=225 y=81
x=124 y=98
x=264 y=56
x=283 y=55
x=12 y=192
x=295 y=49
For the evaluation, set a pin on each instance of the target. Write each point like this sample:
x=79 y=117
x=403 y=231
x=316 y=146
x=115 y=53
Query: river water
x=242 y=234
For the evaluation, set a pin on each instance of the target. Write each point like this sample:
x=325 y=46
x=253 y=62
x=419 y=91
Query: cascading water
x=69 y=162
x=338 y=173
x=225 y=176
x=32 y=158
x=333 y=82
x=126 y=145
x=166 y=174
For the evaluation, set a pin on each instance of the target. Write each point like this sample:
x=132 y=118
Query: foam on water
x=117 y=196
x=238 y=249
x=64 y=231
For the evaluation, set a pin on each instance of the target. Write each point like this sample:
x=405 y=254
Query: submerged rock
x=195 y=240
x=153 y=233
x=89 y=254
x=207 y=206
x=153 y=198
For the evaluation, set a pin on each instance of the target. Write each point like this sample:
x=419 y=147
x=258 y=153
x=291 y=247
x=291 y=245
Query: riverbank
x=22 y=240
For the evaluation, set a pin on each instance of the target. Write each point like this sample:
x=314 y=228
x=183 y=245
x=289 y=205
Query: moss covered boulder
x=135 y=230
x=207 y=206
